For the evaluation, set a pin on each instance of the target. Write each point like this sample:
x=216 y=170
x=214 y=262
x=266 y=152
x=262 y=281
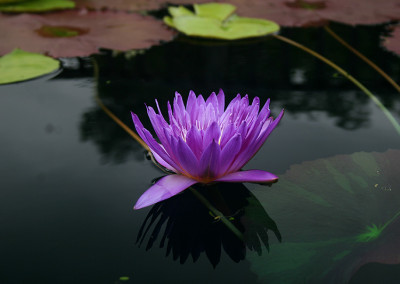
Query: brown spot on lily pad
x=60 y=31
x=301 y=4
x=80 y=33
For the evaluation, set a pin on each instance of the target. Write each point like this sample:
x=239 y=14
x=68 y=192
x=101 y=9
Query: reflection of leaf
x=72 y=33
x=213 y=20
x=36 y=6
x=392 y=42
x=20 y=65
x=335 y=215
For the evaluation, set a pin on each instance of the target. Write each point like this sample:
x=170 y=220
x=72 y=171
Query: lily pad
x=392 y=42
x=36 y=6
x=131 y=6
x=294 y=13
x=76 y=33
x=335 y=215
x=214 y=20
x=20 y=65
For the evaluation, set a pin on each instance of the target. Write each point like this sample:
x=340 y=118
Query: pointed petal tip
x=164 y=188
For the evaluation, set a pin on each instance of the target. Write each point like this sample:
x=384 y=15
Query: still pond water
x=70 y=176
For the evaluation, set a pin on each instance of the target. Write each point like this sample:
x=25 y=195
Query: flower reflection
x=186 y=228
x=204 y=142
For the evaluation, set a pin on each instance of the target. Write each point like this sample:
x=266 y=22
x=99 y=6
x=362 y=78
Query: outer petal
x=164 y=188
x=256 y=176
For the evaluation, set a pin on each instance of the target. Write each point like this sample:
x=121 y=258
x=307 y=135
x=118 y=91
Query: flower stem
x=348 y=76
x=217 y=213
x=365 y=59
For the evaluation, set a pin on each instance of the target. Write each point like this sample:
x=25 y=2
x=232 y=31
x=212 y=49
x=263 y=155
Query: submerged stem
x=217 y=213
x=123 y=125
x=348 y=76
x=365 y=59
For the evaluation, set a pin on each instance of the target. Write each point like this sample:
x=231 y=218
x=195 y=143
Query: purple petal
x=227 y=133
x=229 y=152
x=157 y=149
x=195 y=141
x=164 y=188
x=187 y=159
x=212 y=99
x=210 y=161
x=256 y=176
x=212 y=133
x=221 y=101
x=139 y=126
x=163 y=163
x=191 y=102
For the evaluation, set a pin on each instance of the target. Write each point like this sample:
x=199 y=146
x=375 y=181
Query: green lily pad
x=20 y=65
x=215 y=20
x=36 y=6
x=335 y=215
x=218 y=11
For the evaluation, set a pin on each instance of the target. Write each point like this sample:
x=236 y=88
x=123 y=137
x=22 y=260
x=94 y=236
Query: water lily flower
x=204 y=142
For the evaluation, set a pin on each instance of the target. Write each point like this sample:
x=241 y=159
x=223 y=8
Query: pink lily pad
x=392 y=42
x=80 y=33
x=306 y=12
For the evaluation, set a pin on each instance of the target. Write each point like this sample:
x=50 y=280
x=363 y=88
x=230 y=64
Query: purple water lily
x=205 y=143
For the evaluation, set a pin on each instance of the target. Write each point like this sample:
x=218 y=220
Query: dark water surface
x=70 y=176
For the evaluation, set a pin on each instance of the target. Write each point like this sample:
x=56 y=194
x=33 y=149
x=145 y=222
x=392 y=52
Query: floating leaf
x=335 y=215
x=219 y=11
x=392 y=42
x=311 y=12
x=74 y=33
x=132 y=6
x=36 y=6
x=20 y=65
x=213 y=20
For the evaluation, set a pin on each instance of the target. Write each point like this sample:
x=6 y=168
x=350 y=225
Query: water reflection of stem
x=365 y=59
x=123 y=125
x=217 y=213
x=348 y=76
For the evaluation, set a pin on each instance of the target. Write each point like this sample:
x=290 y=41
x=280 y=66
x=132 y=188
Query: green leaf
x=217 y=11
x=335 y=215
x=179 y=11
x=20 y=65
x=36 y=6
x=213 y=20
